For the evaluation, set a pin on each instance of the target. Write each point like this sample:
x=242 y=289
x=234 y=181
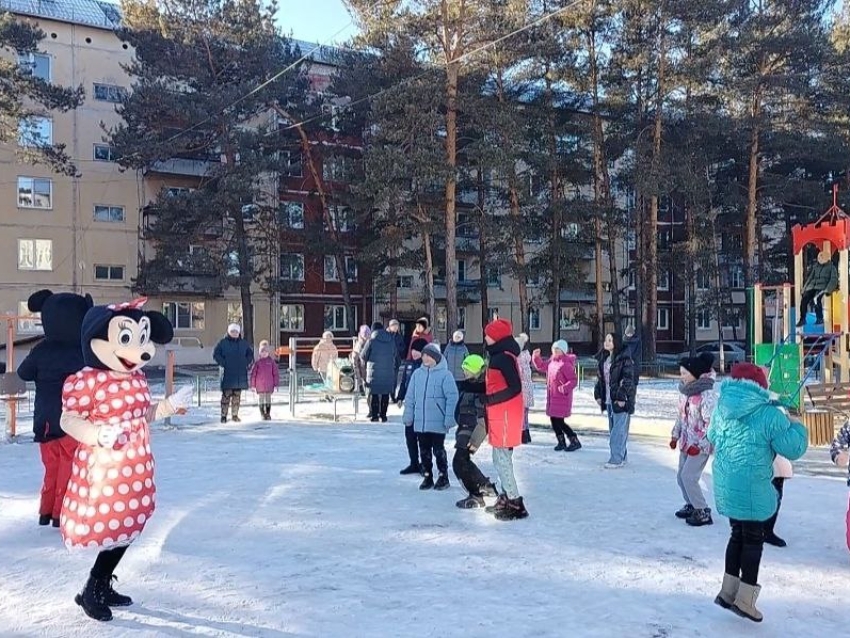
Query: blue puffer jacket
x=431 y=399
x=747 y=433
x=454 y=354
x=235 y=356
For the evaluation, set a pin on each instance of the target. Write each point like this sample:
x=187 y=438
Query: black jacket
x=410 y=366
x=381 y=358
x=507 y=366
x=235 y=356
x=48 y=364
x=470 y=404
x=623 y=375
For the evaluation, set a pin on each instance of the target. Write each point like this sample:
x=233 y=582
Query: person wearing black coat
x=234 y=356
x=49 y=364
x=381 y=358
x=615 y=393
x=408 y=368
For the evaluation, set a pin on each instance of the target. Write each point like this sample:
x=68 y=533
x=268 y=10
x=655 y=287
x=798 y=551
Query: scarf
x=697 y=386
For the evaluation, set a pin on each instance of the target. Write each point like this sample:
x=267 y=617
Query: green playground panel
x=785 y=366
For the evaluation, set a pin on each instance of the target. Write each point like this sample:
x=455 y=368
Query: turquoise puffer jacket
x=747 y=432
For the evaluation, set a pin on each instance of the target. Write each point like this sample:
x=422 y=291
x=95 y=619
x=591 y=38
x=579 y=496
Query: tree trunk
x=750 y=242
x=246 y=273
x=690 y=269
x=429 y=275
x=482 y=249
x=555 y=203
x=452 y=72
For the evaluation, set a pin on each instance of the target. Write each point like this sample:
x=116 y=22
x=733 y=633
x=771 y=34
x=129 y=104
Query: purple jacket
x=265 y=376
x=561 y=380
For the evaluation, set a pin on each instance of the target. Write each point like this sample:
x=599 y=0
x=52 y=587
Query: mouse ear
x=162 y=331
x=89 y=300
x=36 y=301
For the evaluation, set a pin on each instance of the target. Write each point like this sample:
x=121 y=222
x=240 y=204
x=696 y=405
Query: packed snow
x=306 y=529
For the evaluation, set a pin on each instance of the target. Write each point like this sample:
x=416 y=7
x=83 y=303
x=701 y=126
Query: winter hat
x=522 y=340
x=749 y=372
x=423 y=321
x=457 y=337
x=394 y=323
x=417 y=345
x=264 y=349
x=561 y=345
x=433 y=351
x=327 y=335
x=499 y=329
x=364 y=332
x=234 y=327
x=473 y=364
x=698 y=366
x=377 y=326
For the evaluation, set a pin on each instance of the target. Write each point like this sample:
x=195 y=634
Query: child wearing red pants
x=840 y=453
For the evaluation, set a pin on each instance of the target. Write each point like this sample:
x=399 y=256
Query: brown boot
x=745 y=602
x=728 y=591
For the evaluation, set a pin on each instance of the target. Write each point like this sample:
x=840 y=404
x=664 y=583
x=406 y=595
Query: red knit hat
x=499 y=329
x=750 y=372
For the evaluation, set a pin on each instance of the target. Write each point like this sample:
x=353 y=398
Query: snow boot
x=373 y=419
x=112 y=598
x=488 y=489
x=44 y=519
x=411 y=469
x=685 y=512
x=700 y=517
x=745 y=602
x=427 y=483
x=513 y=510
x=772 y=539
x=526 y=437
x=442 y=482
x=236 y=418
x=92 y=599
x=501 y=500
x=471 y=502
x=574 y=445
x=562 y=443
x=55 y=522
x=224 y=419
x=728 y=591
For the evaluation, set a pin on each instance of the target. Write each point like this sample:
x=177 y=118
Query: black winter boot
x=442 y=482
x=471 y=502
x=55 y=522
x=574 y=444
x=513 y=510
x=113 y=598
x=411 y=469
x=685 y=512
x=526 y=437
x=699 y=518
x=44 y=519
x=93 y=599
x=562 y=443
x=427 y=483
x=770 y=536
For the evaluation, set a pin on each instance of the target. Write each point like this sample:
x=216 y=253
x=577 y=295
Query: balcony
x=189 y=276
x=468 y=291
x=188 y=167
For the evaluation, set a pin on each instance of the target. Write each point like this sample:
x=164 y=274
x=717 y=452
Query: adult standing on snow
x=381 y=358
x=527 y=384
x=615 y=394
x=363 y=336
x=421 y=331
x=234 y=356
x=456 y=351
x=394 y=328
x=323 y=353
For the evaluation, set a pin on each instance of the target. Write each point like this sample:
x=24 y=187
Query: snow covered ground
x=306 y=529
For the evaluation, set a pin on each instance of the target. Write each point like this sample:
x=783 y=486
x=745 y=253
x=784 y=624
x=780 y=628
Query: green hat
x=473 y=364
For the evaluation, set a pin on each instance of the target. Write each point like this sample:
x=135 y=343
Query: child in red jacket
x=265 y=377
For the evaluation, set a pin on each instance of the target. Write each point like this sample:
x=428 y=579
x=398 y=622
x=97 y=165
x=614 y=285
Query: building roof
x=103 y=15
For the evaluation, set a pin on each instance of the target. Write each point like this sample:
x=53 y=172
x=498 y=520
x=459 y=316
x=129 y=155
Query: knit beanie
x=749 y=372
x=377 y=326
x=234 y=327
x=423 y=321
x=458 y=335
x=561 y=345
x=473 y=364
x=417 y=345
x=499 y=329
x=522 y=340
x=698 y=366
x=433 y=351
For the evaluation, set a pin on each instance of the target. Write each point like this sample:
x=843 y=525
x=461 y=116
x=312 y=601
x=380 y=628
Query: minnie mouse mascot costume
x=107 y=407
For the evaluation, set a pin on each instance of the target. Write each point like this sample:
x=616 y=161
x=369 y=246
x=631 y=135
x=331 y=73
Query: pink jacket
x=561 y=381
x=265 y=376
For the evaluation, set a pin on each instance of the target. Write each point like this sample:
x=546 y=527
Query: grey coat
x=381 y=358
x=455 y=353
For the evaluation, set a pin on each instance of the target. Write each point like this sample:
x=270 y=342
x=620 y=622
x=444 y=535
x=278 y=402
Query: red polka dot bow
x=136 y=304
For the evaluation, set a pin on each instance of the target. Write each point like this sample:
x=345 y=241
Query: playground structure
x=815 y=357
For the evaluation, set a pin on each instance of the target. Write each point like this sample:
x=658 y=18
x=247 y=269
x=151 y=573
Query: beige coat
x=324 y=352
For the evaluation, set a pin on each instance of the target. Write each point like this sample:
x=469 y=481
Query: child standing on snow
x=747 y=432
x=696 y=403
x=471 y=432
x=524 y=360
x=265 y=377
x=430 y=410
x=561 y=380
x=840 y=453
x=408 y=368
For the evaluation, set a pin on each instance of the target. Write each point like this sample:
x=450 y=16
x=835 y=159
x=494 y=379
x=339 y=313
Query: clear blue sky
x=315 y=20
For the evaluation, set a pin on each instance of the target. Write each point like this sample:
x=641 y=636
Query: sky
x=319 y=21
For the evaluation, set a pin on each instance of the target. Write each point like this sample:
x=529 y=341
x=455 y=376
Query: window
x=231 y=259
x=108 y=273
x=234 y=313
x=336 y=318
x=534 y=318
x=663 y=318
x=342 y=217
x=494 y=313
x=331 y=273
x=461 y=270
x=334 y=169
x=35 y=192
x=35 y=254
x=292 y=267
x=292 y=164
x=664 y=280
x=466 y=226
x=292 y=215
x=292 y=318
x=570 y=231
x=569 y=318
x=104 y=153
x=632 y=277
x=36 y=64
x=35 y=132
x=731 y=319
x=177 y=191
x=703 y=280
x=461 y=318
x=404 y=281
x=736 y=277
x=184 y=315
x=109 y=92
x=631 y=199
x=104 y=213
x=442 y=319
x=29 y=322
x=494 y=277
x=665 y=239
x=533 y=280
x=631 y=240
x=703 y=319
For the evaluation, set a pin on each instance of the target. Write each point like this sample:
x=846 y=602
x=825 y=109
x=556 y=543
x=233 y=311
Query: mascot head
x=61 y=314
x=121 y=337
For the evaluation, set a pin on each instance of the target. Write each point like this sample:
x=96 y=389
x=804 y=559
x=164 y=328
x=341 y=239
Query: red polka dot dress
x=111 y=494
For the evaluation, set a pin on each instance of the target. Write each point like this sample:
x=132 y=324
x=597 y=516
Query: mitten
x=674 y=443
x=107 y=435
x=182 y=399
x=693 y=450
